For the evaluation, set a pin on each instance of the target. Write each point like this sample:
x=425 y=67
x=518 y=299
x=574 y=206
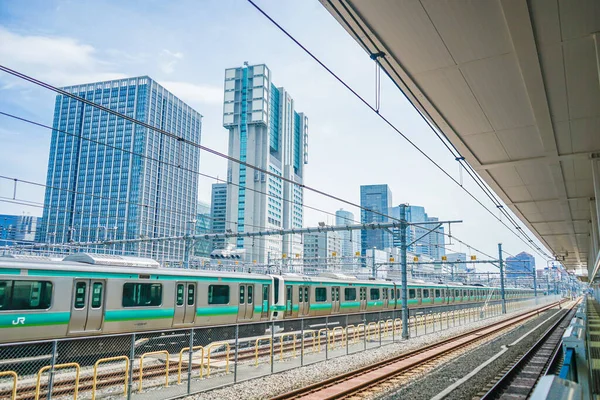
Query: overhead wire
x=390 y=124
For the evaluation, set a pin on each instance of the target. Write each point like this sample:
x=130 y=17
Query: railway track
x=374 y=377
x=520 y=378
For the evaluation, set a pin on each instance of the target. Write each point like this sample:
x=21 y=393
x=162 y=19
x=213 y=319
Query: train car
x=86 y=295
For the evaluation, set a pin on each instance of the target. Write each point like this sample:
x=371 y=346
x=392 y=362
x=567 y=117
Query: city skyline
x=180 y=67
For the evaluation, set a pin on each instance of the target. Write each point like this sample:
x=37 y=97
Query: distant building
x=322 y=250
x=350 y=239
x=459 y=267
x=520 y=266
x=378 y=199
x=264 y=130
x=96 y=192
x=425 y=242
x=203 y=223
x=218 y=213
x=15 y=229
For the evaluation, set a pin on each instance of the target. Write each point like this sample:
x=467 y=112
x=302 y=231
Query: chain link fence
x=177 y=362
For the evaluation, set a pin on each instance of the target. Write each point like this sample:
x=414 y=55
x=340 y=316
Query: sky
x=186 y=45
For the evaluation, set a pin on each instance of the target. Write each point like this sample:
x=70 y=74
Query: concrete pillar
x=595 y=222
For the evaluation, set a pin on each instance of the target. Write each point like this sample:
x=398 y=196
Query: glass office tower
x=109 y=178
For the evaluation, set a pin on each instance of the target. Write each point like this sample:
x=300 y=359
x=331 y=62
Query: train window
x=180 y=290
x=411 y=293
x=456 y=293
x=425 y=293
x=242 y=295
x=191 y=295
x=80 y=290
x=350 y=294
x=374 y=294
x=392 y=292
x=437 y=293
x=250 y=290
x=320 y=294
x=218 y=294
x=97 y=289
x=363 y=293
x=471 y=293
x=398 y=294
x=306 y=294
x=276 y=289
x=25 y=295
x=142 y=294
x=385 y=293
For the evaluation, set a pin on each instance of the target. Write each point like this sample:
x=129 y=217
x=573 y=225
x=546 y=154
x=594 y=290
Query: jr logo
x=19 y=321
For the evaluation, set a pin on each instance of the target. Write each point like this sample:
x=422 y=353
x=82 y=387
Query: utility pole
x=534 y=281
x=403 y=227
x=502 y=278
x=373 y=268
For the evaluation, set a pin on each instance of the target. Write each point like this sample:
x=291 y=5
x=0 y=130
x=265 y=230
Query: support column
x=403 y=227
x=501 y=262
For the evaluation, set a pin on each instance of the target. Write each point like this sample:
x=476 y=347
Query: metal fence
x=165 y=364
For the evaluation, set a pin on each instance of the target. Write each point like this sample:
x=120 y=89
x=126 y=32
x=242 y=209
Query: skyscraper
x=264 y=130
x=203 y=223
x=218 y=213
x=377 y=199
x=350 y=240
x=520 y=267
x=15 y=229
x=422 y=241
x=96 y=192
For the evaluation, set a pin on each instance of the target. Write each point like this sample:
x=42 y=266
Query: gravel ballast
x=268 y=386
x=441 y=378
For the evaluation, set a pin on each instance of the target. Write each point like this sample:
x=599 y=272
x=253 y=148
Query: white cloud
x=168 y=60
x=192 y=93
x=58 y=60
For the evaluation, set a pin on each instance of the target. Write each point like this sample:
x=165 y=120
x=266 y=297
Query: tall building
x=95 y=192
x=203 y=223
x=459 y=259
x=264 y=130
x=15 y=229
x=218 y=213
x=378 y=199
x=322 y=250
x=520 y=266
x=350 y=240
x=421 y=240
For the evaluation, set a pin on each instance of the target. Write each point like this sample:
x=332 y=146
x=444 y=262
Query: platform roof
x=514 y=85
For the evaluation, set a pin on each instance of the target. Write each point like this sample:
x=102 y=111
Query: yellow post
x=181 y=360
x=58 y=366
x=293 y=335
x=364 y=330
x=15 y=379
x=142 y=367
x=270 y=339
x=326 y=337
x=102 y=360
x=333 y=333
x=209 y=348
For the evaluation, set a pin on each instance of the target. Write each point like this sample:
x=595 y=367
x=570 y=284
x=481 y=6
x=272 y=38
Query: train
x=88 y=295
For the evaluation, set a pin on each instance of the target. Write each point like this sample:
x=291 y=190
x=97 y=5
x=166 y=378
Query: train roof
x=110 y=269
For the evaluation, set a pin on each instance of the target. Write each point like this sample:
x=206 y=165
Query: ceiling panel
x=585 y=134
x=503 y=98
x=517 y=193
x=487 y=146
x=396 y=20
x=506 y=176
x=521 y=143
x=454 y=98
x=542 y=191
x=581 y=70
x=553 y=71
x=472 y=30
x=579 y=18
x=545 y=22
x=533 y=174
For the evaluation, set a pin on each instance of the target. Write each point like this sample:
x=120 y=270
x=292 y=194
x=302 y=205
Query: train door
x=246 y=303
x=335 y=299
x=87 y=305
x=185 y=303
x=385 y=297
x=266 y=291
x=289 y=300
x=303 y=301
x=363 y=299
